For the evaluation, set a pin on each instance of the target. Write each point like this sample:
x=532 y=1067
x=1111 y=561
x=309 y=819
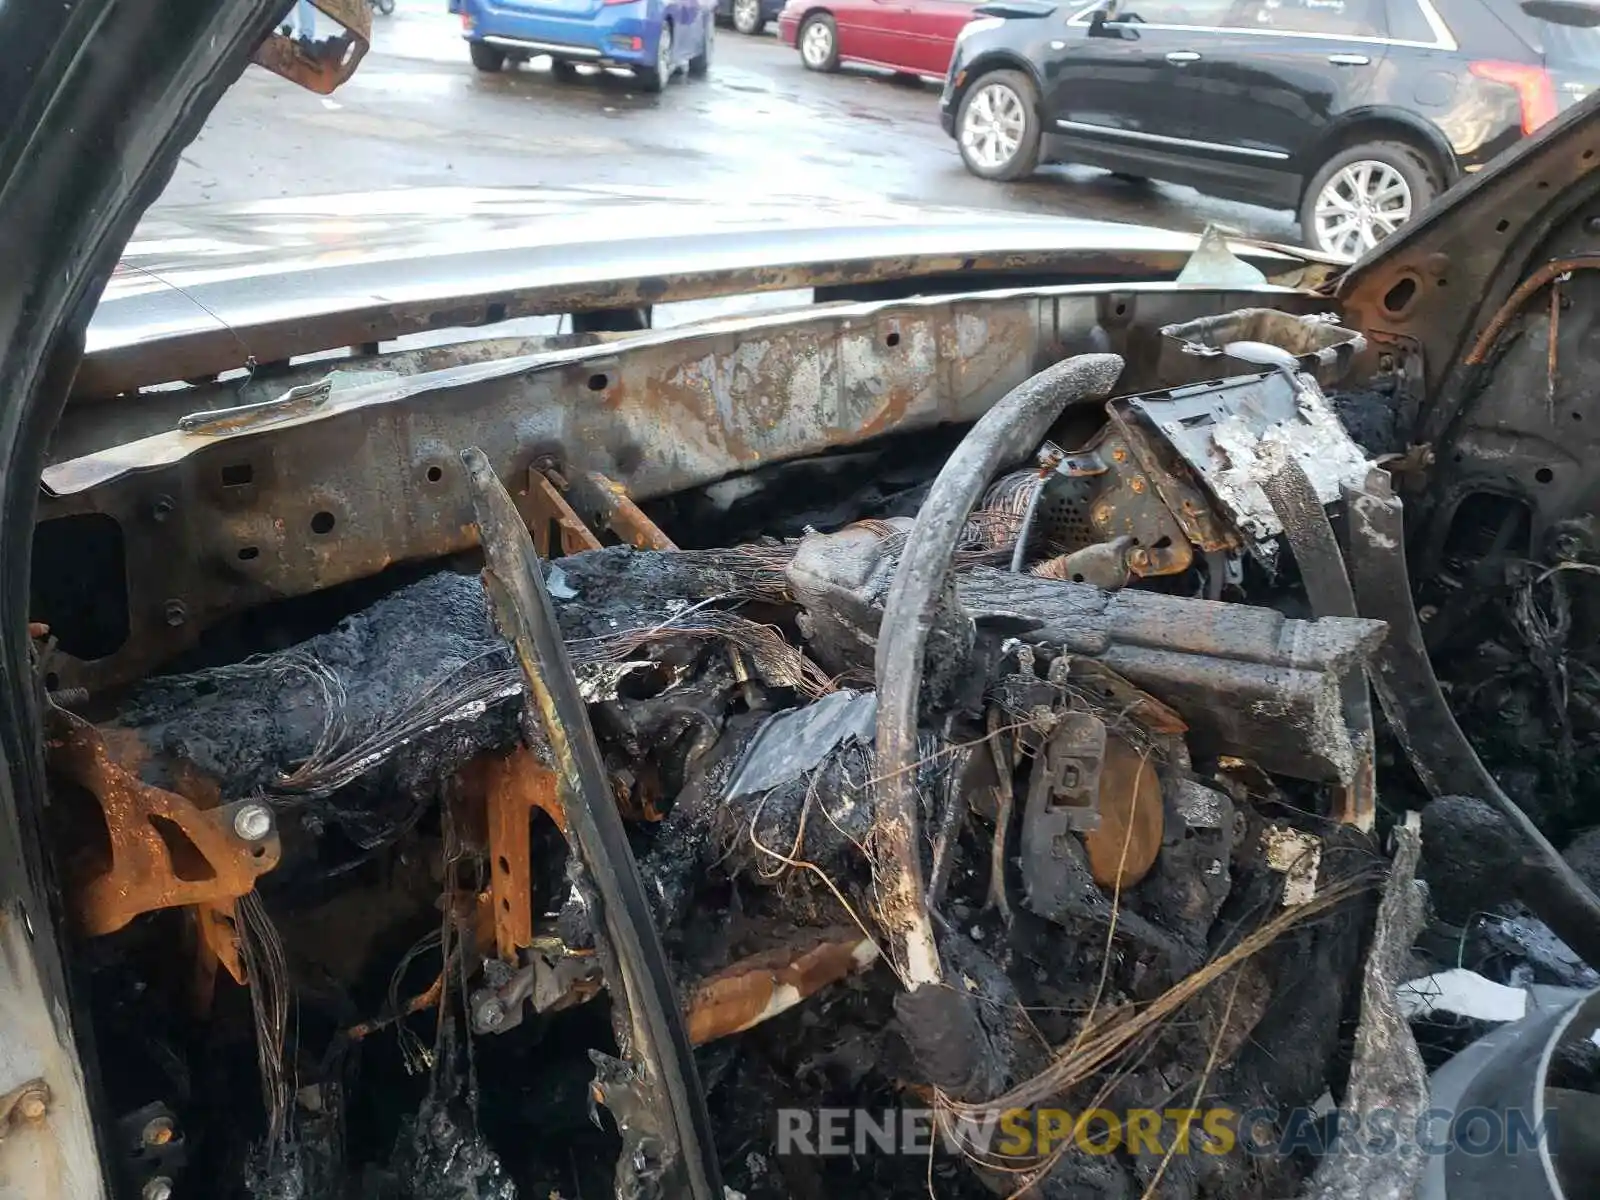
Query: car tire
x=700 y=64
x=486 y=57
x=747 y=18
x=655 y=79
x=1395 y=181
x=818 y=41
x=997 y=126
x=563 y=70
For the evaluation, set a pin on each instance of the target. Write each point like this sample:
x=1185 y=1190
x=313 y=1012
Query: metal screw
x=162 y=508
x=1102 y=514
x=32 y=1105
x=159 y=1188
x=1592 y=225
x=253 y=822
x=490 y=1014
x=158 y=1132
x=177 y=613
x=1137 y=483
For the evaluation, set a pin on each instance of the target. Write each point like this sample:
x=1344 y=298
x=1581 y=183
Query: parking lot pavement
x=417 y=114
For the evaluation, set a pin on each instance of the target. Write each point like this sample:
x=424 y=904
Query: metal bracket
x=296 y=402
x=165 y=850
x=1064 y=787
x=321 y=66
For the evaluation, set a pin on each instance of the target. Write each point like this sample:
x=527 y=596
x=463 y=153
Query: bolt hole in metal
x=322 y=522
x=598 y=383
x=1398 y=298
x=1544 y=474
x=505 y=864
x=435 y=474
x=249 y=553
x=237 y=475
x=1502 y=225
x=892 y=340
x=1358 y=207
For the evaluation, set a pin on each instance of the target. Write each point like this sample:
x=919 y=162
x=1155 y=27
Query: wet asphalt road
x=417 y=114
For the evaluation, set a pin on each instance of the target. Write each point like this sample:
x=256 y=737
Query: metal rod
x=514 y=580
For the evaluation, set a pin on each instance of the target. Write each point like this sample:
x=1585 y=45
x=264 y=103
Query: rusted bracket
x=321 y=66
x=612 y=507
x=513 y=785
x=557 y=530
x=165 y=851
x=664 y=1086
x=548 y=512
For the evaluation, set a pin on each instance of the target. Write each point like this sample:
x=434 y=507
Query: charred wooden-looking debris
x=1046 y=779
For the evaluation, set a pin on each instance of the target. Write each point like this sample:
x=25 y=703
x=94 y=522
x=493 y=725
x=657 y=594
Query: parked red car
x=914 y=36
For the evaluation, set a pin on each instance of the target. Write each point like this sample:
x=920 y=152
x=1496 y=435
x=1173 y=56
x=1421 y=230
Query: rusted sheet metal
x=222 y=522
x=760 y=987
x=1440 y=278
x=202 y=288
x=323 y=65
x=87 y=427
x=165 y=851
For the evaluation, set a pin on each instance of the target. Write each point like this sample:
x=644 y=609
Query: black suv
x=1355 y=112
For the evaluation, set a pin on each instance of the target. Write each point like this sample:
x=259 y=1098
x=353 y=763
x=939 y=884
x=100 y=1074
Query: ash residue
x=1371 y=418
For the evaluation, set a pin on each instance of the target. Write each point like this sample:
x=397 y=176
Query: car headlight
x=978 y=25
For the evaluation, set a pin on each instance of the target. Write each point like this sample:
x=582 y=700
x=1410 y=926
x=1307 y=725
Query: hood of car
x=201 y=289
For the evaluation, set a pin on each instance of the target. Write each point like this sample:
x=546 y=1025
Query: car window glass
x=1174 y=12
x=1407 y=24
x=1349 y=18
x=1561 y=45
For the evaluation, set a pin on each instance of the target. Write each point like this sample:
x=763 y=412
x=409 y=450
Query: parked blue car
x=655 y=38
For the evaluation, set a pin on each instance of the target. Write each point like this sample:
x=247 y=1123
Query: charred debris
x=1023 y=767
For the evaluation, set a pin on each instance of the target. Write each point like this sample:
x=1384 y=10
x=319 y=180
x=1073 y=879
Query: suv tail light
x=1534 y=87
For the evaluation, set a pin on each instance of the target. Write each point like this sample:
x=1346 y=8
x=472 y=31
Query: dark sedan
x=748 y=16
x=1355 y=112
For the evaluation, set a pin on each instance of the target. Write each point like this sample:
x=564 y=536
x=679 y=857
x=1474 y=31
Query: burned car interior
x=522 y=768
